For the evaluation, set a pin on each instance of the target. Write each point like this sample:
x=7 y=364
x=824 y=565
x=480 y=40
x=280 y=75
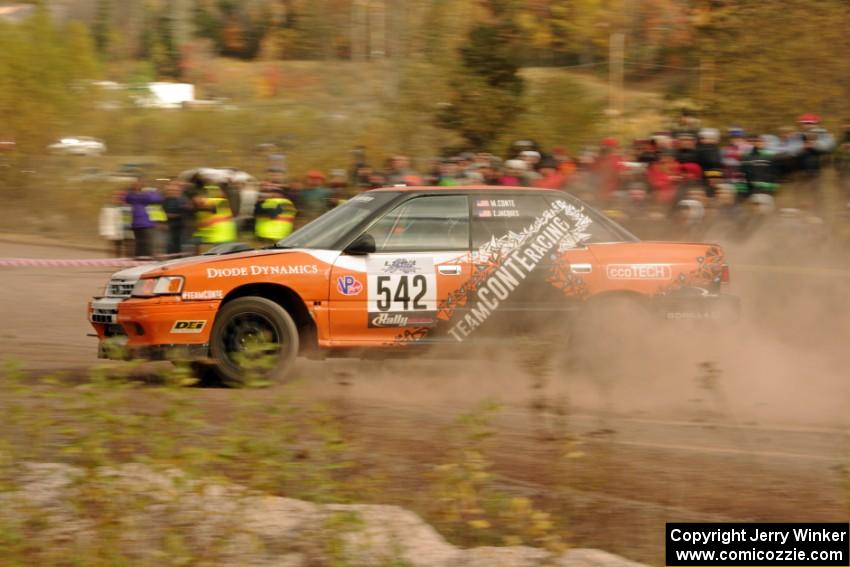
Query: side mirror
x=362 y=245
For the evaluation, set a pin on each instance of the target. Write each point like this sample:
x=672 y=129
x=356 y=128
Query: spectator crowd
x=685 y=182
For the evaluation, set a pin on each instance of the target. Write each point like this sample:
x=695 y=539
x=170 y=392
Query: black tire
x=207 y=374
x=253 y=339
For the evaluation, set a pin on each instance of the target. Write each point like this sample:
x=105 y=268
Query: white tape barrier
x=76 y=263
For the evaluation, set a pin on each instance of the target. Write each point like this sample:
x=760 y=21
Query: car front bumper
x=152 y=329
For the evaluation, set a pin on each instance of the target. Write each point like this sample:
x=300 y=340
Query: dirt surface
x=44 y=309
x=739 y=422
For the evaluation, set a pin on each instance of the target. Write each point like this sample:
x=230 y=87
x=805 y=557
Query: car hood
x=170 y=267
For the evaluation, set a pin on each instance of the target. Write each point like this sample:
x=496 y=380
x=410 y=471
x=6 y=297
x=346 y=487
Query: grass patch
x=273 y=444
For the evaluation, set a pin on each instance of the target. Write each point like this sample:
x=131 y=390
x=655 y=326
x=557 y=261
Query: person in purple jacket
x=140 y=222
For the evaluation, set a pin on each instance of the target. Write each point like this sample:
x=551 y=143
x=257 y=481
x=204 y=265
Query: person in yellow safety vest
x=274 y=216
x=215 y=223
x=156 y=213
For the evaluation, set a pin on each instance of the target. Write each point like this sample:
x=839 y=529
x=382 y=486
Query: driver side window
x=432 y=222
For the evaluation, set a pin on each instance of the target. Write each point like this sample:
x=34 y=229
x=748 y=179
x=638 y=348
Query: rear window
x=494 y=216
x=601 y=229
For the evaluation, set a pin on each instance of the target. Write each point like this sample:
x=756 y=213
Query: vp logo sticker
x=188 y=327
x=348 y=285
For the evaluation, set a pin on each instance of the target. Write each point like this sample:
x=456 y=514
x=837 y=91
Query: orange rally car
x=397 y=268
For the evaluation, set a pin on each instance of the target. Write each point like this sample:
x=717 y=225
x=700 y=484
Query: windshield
x=325 y=231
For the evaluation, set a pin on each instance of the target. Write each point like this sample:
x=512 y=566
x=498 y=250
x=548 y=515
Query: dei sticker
x=402 y=291
x=639 y=272
x=188 y=327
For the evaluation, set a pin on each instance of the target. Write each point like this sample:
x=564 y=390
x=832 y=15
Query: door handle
x=581 y=268
x=449 y=270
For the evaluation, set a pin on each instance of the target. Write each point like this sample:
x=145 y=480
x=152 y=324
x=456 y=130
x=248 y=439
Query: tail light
x=724 y=274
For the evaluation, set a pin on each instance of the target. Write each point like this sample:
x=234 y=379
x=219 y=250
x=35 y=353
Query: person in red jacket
x=608 y=167
x=664 y=175
x=550 y=176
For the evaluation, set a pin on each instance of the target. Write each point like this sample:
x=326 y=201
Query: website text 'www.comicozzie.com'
x=705 y=556
x=743 y=544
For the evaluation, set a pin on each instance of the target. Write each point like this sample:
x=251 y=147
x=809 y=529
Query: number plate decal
x=402 y=291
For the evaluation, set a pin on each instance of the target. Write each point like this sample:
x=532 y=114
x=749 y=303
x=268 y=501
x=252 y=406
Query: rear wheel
x=254 y=340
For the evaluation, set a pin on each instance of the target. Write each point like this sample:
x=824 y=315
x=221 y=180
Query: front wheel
x=254 y=340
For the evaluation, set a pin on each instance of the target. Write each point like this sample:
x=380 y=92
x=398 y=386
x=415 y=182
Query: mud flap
x=724 y=308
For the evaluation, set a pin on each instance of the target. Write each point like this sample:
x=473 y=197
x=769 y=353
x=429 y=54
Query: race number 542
x=401 y=284
x=402 y=293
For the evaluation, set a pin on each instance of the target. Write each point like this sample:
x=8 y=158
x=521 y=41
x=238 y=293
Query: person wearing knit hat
x=822 y=141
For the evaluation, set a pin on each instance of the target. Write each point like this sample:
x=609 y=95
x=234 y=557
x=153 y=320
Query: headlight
x=165 y=285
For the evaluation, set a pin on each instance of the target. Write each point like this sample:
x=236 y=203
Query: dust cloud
x=783 y=362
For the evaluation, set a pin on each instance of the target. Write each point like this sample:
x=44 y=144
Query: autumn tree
x=159 y=43
x=45 y=80
x=762 y=63
x=486 y=87
x=207 y=22
x=101 y=26
x=558 y=111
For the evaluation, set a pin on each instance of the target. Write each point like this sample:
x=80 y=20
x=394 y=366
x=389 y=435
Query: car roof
x=471 y=188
